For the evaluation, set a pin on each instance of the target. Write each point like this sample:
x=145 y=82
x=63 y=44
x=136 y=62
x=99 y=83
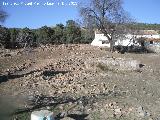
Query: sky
x=38 y=12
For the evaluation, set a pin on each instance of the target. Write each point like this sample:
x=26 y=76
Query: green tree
x=59 y=37
x=13 y=36
x=3 y=15
x=26 y=38
x=72 y=32
x=45 y=35
x=4 y=37
x=87 y=36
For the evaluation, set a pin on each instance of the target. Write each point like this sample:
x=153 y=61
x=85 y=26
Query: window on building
x=105 y=42
x=151 y=42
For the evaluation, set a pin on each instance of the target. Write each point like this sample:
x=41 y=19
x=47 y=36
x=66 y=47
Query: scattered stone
x=142 y=112
x=118 y=111
x=72 y=78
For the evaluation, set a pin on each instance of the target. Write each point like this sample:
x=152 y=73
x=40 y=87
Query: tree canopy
x=71 y=33
x=3 y=15
x=108 y=16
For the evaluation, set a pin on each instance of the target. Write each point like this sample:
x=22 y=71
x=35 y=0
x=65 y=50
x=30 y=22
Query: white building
x=102 y=41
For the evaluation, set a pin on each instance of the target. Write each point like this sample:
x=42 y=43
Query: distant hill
x=145 y=26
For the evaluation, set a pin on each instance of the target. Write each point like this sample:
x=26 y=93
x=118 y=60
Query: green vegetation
x=96 y=115
x=103 y=67
x=72 y=33
x=4 y=36
x=22 y=116
x=144 y=26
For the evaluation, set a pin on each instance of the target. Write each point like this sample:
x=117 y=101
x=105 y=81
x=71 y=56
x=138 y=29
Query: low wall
x=153 y=48
x=113 y=64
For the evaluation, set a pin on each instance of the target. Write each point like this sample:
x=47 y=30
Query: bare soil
x=59 y=71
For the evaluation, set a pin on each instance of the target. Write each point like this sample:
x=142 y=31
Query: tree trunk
x=111 y=45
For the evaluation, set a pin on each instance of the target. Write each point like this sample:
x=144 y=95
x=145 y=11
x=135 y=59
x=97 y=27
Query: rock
x=7 y=55
x=150 y=119
x=61 y=107
x=118 y=111
x=63 y=114
x=142 y=112
x=112 y=105
x=48 y=108
x=46 y=77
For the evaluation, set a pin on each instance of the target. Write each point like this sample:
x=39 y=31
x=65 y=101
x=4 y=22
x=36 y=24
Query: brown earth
x=109 y=94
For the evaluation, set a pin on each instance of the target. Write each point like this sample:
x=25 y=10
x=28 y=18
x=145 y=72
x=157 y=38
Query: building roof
x=146 y=32
x=152 y=39
x=98 y=31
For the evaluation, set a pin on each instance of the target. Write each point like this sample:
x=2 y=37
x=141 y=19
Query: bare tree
x=3 y=15
x=108 y=16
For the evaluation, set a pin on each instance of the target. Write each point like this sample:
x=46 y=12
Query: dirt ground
x=60 y=71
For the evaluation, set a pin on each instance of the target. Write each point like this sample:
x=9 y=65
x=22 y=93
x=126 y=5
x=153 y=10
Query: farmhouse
x=100 y=40
x=151 y=37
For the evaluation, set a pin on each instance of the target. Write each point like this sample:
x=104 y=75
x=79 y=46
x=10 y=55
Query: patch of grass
x=2 y=66
x=118 y=119
x=23 y=116
x=96 y=116
x=106 y=68
x=102 y=67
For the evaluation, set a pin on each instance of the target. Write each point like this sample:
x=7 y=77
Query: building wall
x=127 y=41
x=98 y=40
